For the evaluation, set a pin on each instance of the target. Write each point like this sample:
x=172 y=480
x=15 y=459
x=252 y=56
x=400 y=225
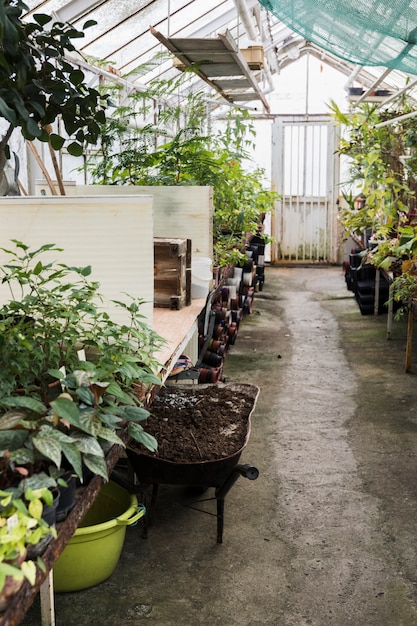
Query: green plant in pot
x=47 y=306
x=22 y=529
x=385 y=214
x=57 y=409
x=73 y=431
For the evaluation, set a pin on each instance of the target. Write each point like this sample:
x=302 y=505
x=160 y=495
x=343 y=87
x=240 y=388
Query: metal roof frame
x=123 y=39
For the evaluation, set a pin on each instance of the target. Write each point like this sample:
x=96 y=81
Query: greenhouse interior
x=208 y=262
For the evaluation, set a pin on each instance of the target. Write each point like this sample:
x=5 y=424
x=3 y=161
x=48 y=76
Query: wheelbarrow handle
x=140 y=512
x=247 y=471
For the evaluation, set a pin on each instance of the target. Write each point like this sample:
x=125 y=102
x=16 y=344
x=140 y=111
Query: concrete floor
x=326 y=535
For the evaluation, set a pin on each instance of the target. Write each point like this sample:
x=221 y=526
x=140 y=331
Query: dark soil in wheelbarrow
x=199 y=422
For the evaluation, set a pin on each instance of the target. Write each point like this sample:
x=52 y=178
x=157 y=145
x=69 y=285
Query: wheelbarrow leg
x=220 y=519
x=147 y=520
x=247 y=471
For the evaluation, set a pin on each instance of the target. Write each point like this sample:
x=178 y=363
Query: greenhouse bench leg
x=46 y=594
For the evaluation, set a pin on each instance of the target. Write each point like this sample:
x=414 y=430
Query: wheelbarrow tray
x=151 y=469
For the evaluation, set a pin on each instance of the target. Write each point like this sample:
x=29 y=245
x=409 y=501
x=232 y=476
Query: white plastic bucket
x=201 y=277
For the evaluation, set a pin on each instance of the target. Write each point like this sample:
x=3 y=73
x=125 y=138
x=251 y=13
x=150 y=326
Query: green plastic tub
x=92 y=553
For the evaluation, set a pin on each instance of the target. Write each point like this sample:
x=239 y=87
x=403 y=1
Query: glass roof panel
x=122 y=33
x=123 y=39
x=149 y=45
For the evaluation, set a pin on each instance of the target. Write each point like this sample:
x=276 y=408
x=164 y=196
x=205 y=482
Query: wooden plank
x=232 y=83
x=177 y=328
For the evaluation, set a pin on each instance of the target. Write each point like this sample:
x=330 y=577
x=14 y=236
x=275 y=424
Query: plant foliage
x=135 y=154
x=38 y=84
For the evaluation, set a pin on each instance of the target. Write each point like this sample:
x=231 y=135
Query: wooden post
x=409 y=341
x=47 y=601
x=43 y=168
x=60 y=182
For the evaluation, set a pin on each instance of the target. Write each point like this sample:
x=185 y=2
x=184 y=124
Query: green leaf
x=7 y=112
x=133 y=413
x=75 y=149
x=85 y=395
x=38 y=108
x=56 y=374
x=29 y=570
x=136 y=432
x=109 y=435
x=48 y=445
x=115 y=390
x=24 y=402
x=41 y=18
x=76 y=77
x=56 y=141
x=12 y=439
x=96 y=465
x=85 y=420
x=109 y=418
x=33 y=127
x=38 y=268
x=85 y=271
x=386 y=263
x=39 y=561
x=89 y=23
x=88 y=445
x=41 y=480
x=35 y=508
x=9 y=570
x=10 y=419
x=22 y=456
x=73 y=456
x=67 y=409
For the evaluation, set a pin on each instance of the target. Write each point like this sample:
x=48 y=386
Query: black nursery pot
x=49 y=512
x=66 y=497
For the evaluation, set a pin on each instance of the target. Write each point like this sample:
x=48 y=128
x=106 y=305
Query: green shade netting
x=365 y=32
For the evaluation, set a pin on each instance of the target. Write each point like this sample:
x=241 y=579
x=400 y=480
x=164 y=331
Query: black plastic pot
x=66 y=497
x=49 y=512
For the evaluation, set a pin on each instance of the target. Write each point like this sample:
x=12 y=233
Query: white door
x=305 y=173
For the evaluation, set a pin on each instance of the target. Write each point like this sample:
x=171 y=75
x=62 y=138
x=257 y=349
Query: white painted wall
x=112 y=234
x=178 y=212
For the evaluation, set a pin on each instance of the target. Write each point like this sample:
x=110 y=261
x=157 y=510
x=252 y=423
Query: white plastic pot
x=201 y=277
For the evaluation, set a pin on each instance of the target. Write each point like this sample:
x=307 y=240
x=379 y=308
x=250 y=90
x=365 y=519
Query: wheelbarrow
x=219 y=473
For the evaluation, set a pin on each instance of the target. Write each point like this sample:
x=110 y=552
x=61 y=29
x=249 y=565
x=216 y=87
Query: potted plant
x=57 y=410
x=384 y=216
x=74 y=431
x=22 y=529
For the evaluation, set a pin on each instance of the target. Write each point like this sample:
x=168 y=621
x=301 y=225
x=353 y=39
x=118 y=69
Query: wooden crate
x=254 y=57
x=172 y=272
